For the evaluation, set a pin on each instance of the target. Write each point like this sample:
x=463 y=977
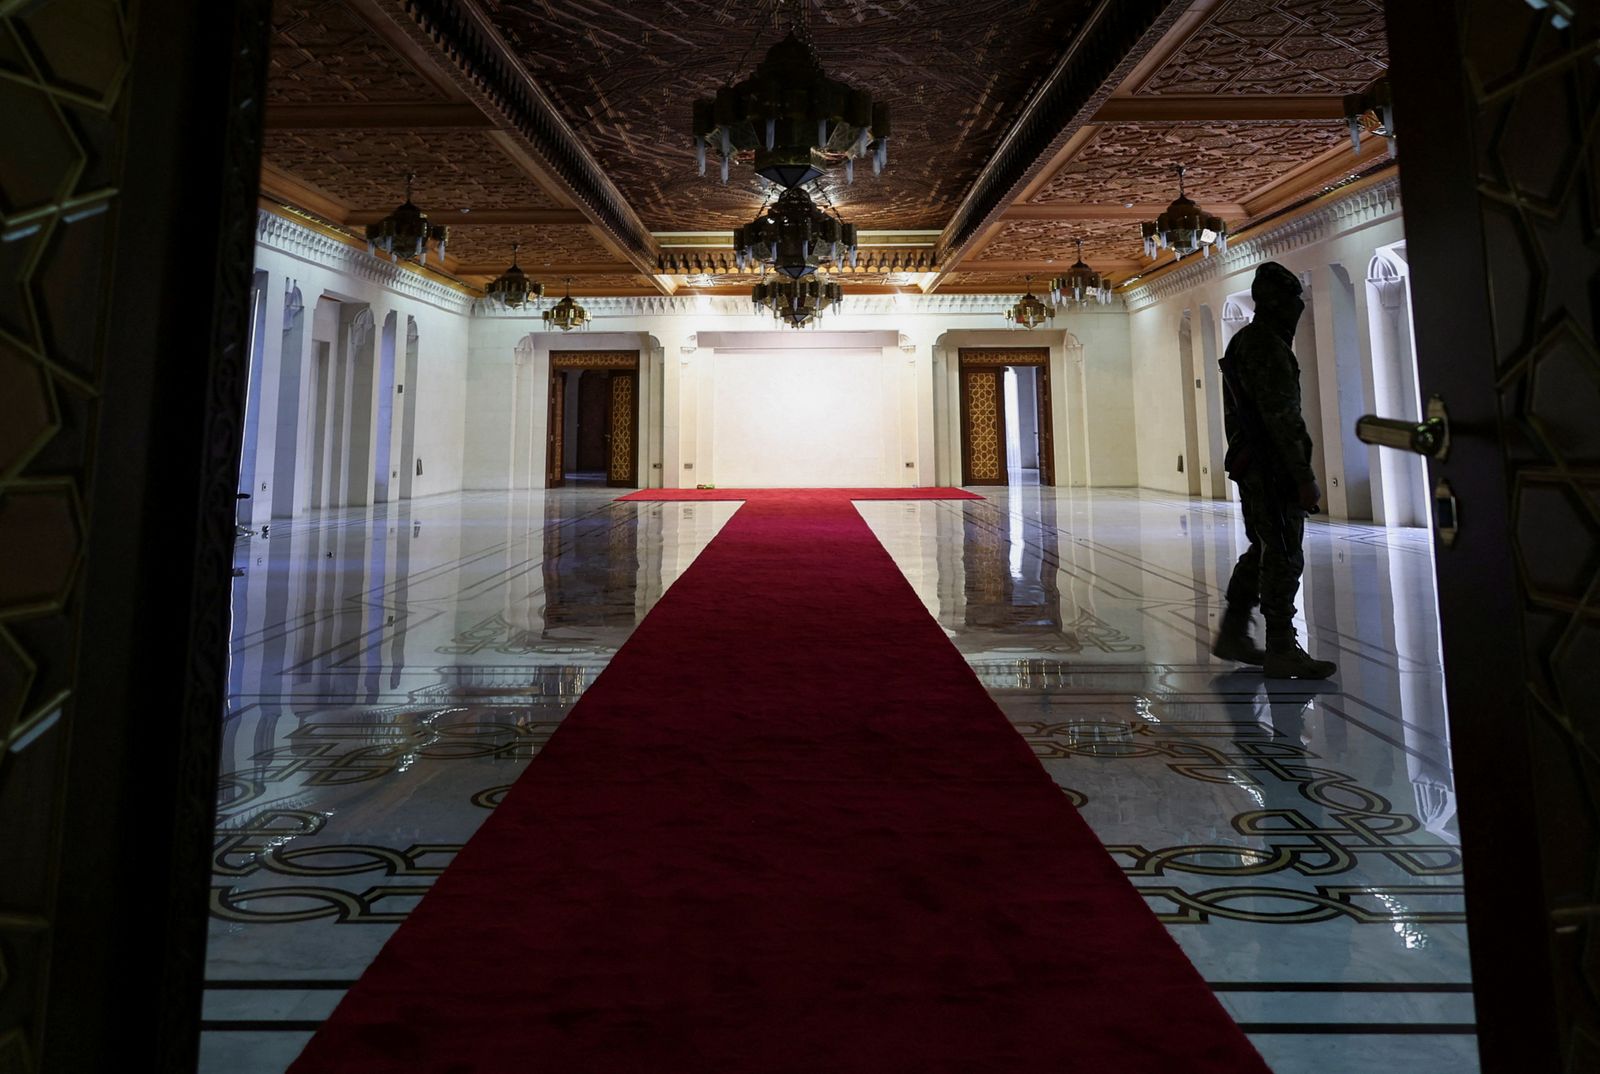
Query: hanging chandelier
x=796 y=302
x=405 y=233
x=510 y=289
x=566 y=314
x=790 y=119
x=1081 y=285
x=794 y=237
x=1029 y=312
x=1184 y=228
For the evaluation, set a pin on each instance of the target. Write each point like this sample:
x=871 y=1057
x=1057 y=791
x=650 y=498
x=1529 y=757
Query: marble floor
x=394 y=668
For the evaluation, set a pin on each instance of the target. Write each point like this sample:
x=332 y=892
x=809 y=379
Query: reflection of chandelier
x=566 y=314
x=794 y=237
x=1184 y=228
x=1029 y=312
x=796 y=302
x=405 y=232
x=1081 y=285
x=512 y=288
x=793 y=119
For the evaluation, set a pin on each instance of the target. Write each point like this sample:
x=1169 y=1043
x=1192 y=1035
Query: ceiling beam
x=549 y=272
x=1112 y=41
x=314 y=117
x=279 y=185
x=1042 y=268
x=530 y=217
x=1183 y=108
x=1114 y=211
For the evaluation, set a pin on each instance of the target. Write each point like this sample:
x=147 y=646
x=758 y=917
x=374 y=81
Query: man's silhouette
x=1269 y=457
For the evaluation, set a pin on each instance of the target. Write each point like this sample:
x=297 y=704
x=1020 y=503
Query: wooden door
x=1047 y=440
x=622 y=440
x=1497 y=106
x=983 y=425
x=555 y=431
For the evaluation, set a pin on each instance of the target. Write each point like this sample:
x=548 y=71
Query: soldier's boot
x=1286 y=660
x=1233 y=640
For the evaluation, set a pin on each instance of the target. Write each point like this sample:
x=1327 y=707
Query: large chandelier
x=1370 y=110
x=794 y=237
x=1029 y=312
x=512 y=288
x=796 y=302
x=566 y=314
x=793 y=120
x=1184 y=228
x=1081 y=285
x=405 y=233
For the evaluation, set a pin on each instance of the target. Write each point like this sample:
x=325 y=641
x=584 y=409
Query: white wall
x=806 y=418
x=1174 y=416
x=685 y=346
x=302 y=266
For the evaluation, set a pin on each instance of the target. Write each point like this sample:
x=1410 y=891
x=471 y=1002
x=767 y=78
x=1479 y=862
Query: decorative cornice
x=1321 y=220
x=1114 y=38
x=336 y=255
x=730 y=306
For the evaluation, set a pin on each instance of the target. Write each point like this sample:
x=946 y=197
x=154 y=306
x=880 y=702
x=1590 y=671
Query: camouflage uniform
x=1269 y=450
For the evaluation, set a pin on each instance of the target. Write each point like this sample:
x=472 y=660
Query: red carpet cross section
x=786 y=830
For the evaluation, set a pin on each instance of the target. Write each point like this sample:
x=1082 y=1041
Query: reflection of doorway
x=592 y=434
x=1006 y=428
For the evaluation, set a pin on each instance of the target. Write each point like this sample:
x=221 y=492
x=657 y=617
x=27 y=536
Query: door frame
x=560 y=363
x=971 y=358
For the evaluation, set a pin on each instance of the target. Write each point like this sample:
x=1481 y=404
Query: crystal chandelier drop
x=794 y=238
x=1029 y=312
x=1184 y=228
x=510 y=289
x=1081 y=285
x=405 y=233
x=790 y=119
x=566 y=314
x=796 y=302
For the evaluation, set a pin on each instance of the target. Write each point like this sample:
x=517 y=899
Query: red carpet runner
x=786 y=830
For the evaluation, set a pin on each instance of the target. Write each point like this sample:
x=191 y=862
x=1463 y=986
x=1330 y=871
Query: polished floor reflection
x=394 y=668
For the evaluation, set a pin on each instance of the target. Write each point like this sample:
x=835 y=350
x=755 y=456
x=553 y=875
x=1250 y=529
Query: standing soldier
x=1269 y=458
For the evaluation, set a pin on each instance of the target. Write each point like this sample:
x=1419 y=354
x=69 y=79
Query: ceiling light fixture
x=1184 y=228
x=790 y=119
x=1081 y=285
x=796 y=302
x=1029 y=312
x=510 y=289
x=794 y=237
x=566 y=314
x=405 y=233
x=1371 y=110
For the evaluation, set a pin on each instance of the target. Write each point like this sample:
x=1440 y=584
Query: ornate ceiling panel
x=366 y=169
x=625 y=75
x=542 y=247
x=1226 y=162
x=1039 y=240
x=606 y=284
x=1279 y=46
x=323 y=53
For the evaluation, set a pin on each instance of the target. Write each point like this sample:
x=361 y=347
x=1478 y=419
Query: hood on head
x=1277 y=293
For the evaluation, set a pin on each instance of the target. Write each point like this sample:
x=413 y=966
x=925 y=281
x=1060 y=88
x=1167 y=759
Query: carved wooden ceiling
x=563 y=127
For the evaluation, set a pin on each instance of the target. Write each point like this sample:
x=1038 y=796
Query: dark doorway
x=1006 y=428
x=592 y=436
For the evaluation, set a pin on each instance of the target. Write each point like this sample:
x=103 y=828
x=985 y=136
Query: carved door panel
x=1047 y=443
x=555 y=468
x=983 y=426
x=622 y=440
x=1497 y=104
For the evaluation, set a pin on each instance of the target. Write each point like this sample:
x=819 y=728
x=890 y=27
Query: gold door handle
x=1430 y=437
